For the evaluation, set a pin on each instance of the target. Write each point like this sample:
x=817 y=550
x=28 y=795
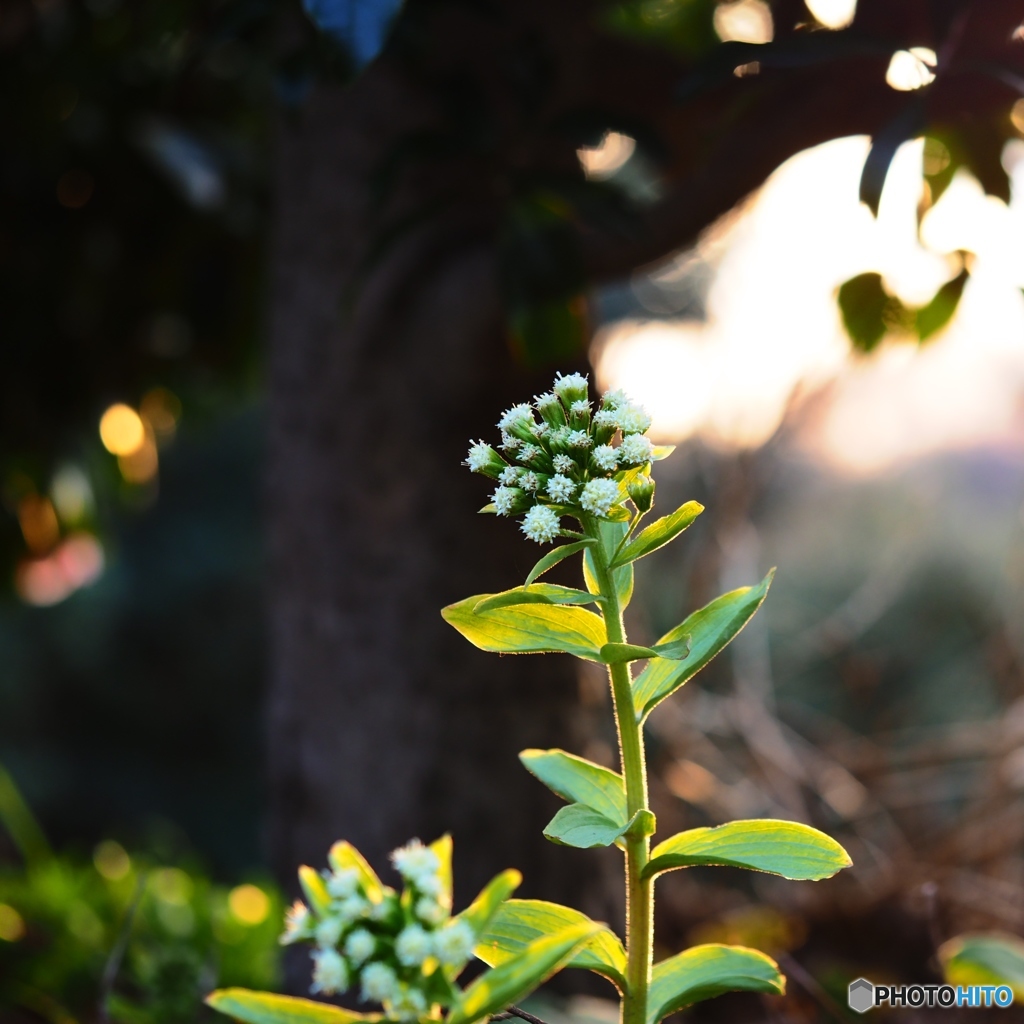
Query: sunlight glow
x=911 y=69
x=744 y=21
x=773 y=329
x=833 y=13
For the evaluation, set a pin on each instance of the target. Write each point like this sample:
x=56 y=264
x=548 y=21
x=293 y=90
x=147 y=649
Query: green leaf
x=612 y=535
x=343 y=856
x=267 y=1008
x=583 y=827
x=932 y=318
x=704 y=972
x=659 y=533
x=519 y=922
x=676 y=650
x=709 y=629
x=479 y=914
x=489 y=509
x=578 y=780
x=615 y=654
x=984 y=959
x=555 y=556
x=538 y=593
x=530 y=629
x=498 y=988
x=784 y=848
x=316 y=892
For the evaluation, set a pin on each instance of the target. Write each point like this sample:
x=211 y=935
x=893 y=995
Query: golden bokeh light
x=122 y=430
x=111 y=860
x=249 y=904
x=38 y=522
x=141 y=465
x=12 y=925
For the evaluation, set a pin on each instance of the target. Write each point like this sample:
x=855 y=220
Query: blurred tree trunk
x=383 y=722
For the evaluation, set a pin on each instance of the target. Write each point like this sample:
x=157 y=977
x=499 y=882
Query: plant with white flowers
x=561 y=458
x=580 y=472
x=401 y=951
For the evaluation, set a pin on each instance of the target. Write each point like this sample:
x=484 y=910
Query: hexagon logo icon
x=861 y=995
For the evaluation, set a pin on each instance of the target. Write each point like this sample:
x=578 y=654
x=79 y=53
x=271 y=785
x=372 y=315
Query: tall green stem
x=639 y=892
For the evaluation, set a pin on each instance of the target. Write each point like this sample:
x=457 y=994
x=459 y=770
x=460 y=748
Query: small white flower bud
x=508 y=442
x=580 y=408
x=427 y=883
x=430 y=911
x=564 y=464
x=482 y=458
x=510 y=476
x=453 y=944
x=529 y=481
x=614 y=399
x=298 y=924
x=344 y=883
x=571 y=389
x=413 y=946
x=579 y=439
x=353 y=908
x=635 y=448
x=605 y=424
x=606 y=457
x=328 y=931
x=599 y=495
x=550 y=409
x=359 y=946
x=517 y=414
x=561 y=488
x=529 y=452
x=409 y=1004
x=541 y=524
x=508 y=501
x=641 y=491
x=330 y=973
x=633 y=419
x=379 y=983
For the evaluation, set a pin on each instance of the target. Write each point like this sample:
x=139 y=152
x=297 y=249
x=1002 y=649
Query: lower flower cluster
x=399 y=950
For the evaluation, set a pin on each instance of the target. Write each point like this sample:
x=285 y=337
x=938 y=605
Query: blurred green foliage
x=133 y=939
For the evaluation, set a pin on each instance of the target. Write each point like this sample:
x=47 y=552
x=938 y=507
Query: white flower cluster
x=567 y=459
x=388 y=945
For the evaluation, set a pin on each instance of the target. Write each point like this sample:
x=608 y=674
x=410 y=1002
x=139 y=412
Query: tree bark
x=383 y=723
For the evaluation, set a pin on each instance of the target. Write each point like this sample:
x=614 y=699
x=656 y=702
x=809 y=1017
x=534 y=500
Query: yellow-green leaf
x=443 y=850
x=528 y=629
x=991 y=958
x=480 y=912
x=536 y=593
x=268 y=1008
x=517 y=923
x=704 y=972
x=583 y=827
x=615 y=654
x=578 y=780
x=784 y=848
x=659 y=533
x=709 y=629
x=343 y=856
x=316 y=892
x=611 y=535
x=498 y=988
x=555 y=556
